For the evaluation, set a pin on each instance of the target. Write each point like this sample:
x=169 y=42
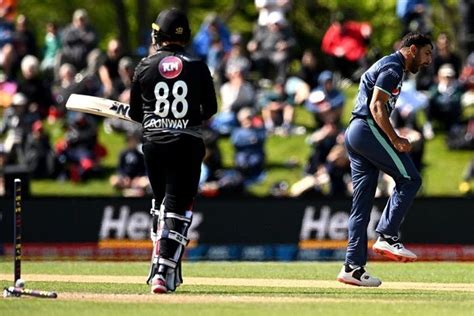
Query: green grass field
x=237 y=288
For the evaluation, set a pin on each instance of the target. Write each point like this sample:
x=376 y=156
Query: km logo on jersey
x=170 y=67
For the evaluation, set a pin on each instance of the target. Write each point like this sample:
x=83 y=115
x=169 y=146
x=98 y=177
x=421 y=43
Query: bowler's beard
x=415 y=65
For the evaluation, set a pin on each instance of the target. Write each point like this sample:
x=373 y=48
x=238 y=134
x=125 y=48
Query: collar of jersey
x=172 y=48
x=400 y=56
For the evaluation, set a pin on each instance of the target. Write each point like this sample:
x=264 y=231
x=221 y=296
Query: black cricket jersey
x=172 y=94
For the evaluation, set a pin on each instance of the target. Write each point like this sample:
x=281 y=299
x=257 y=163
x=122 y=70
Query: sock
x=394 y=238
x=350 y=267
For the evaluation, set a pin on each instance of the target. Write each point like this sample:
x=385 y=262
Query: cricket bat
x=98 y=106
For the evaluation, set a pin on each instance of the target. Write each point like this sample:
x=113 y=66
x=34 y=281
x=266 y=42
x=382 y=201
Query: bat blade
x=98 y=106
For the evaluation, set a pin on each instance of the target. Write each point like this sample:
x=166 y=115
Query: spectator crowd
x=259 y=97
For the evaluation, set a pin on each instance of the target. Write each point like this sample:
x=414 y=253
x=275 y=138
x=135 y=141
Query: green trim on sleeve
x=383 y=90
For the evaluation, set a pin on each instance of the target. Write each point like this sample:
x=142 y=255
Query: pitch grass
x=322 y=301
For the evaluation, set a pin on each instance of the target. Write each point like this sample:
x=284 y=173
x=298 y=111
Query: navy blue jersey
x=387 y=75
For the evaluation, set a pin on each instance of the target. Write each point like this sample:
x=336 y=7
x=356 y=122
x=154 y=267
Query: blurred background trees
x=130 y=19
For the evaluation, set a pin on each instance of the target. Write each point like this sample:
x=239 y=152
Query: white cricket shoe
x=357 y=276
x=393 y=249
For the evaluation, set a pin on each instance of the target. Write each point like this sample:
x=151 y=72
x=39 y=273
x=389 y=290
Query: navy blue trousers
x=370 y=151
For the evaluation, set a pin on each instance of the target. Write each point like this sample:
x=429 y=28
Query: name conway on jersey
x=172 y=93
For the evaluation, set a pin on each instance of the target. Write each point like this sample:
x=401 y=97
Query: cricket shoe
x=392 y=248
x=357 y=276
x=158 y=284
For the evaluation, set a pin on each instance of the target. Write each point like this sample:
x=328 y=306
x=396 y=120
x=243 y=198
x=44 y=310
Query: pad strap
x=173 y=235
x=186 y=218
x=167 y=262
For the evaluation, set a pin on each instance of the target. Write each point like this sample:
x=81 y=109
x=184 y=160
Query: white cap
x=245 y=113
x=79 y=13
x=446 y=70
x=316 y=96
x=19 y=99
x=276 y=17
x=29 y=61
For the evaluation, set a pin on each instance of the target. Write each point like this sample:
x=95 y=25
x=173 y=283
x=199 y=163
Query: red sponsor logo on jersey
x=170 y=67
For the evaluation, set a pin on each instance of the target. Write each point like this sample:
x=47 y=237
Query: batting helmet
x=171 y=25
